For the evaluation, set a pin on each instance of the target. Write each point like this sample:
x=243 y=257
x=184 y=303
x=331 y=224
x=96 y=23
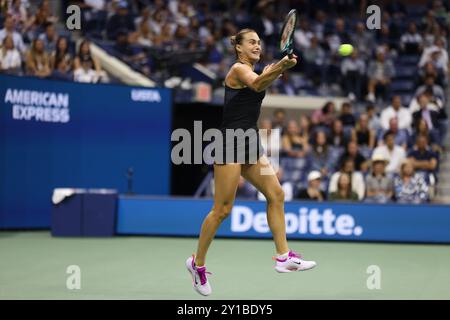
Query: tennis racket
x=287 y=33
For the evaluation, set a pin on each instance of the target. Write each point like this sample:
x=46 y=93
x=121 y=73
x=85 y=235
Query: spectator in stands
x=133 y=56
x=9 y=30
x=428 y=70
x=436 y=90
x=270 y=139
x=158 y=20
x=62 y=70
x=284 y=85
x=61 y=53
x=165 y=37
x=87 y=72
x=94 y=15
x=49 y=37
x=304 y=125
x=380 y=72
x=439 y=64
x=18 y=11
x=431 y=35
x=396 y=110
x=363 y=41
x=144 y=35
x=144 y=17
x=279 y=120
x=411 y=42
x=347 y=118
x=182 y=38
x=364 y=136
x=43 y=16
x=391 y=152
x=120 y=21
x=38 y=60
x=401 y=136
x=439 y=50
x=337 y=137
x=338 y=36
x=352 y=152
x=181 y=11
x=344 y=190
x=314 y=61
x=353 y=70
x=325 y=116
x=264 y=22
x=410 y=187
x=214 y=57
x=318 y=26
x=303 y=35
x=320 y=155
x=312 y=192
x=431 y=117
x=374 y=120
x=384 y=37
x=422 y=129
x=84 y=53
x=293 y=143
x=379 y=185
x=422 y=157
x=347 y=166
x=438 y=105
x=10 y=60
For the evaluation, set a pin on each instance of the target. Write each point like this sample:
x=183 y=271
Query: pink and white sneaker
x=199 y=278
x=293 y=262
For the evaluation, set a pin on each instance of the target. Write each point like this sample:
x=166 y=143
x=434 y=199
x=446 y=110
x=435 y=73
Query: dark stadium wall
x=60 y=134
x=185 y=178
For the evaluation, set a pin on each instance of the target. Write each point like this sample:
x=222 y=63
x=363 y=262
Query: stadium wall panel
x=64 y=134
x=169 y=216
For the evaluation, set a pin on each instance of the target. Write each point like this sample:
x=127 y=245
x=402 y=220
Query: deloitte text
x=306 y=221
x=41 y=106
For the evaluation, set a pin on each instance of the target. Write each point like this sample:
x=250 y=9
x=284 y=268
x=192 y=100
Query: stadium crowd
x=355 y=156
x=32 y=46
x=384 y=144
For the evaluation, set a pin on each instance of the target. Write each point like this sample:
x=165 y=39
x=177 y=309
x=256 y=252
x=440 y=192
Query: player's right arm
x=258 y=83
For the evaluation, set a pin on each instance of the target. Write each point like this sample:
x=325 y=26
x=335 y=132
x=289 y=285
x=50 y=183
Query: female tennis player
x=244 y=92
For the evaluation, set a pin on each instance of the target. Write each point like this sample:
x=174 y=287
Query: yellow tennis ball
x=345 y=49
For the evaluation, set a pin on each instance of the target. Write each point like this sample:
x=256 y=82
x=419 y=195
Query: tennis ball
x=345 y=49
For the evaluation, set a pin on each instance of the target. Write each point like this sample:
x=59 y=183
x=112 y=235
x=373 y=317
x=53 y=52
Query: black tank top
x=241 y=108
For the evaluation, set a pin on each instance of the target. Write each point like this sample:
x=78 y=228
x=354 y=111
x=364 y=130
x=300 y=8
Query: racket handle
x=290 y=54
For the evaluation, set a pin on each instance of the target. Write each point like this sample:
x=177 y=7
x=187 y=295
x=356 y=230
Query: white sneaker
x=199 y=279
x=293 y=262
x=371 y=97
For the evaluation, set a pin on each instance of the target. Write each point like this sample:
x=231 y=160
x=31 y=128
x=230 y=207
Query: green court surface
x=33 y=266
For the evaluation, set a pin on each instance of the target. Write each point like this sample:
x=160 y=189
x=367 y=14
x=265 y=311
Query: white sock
x=284 y=255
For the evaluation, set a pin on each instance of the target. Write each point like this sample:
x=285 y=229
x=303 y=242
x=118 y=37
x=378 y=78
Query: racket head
x=287 y=32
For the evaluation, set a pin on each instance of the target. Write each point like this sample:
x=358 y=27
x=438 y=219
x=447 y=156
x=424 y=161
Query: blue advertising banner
x=65 y=134
x=304 y=220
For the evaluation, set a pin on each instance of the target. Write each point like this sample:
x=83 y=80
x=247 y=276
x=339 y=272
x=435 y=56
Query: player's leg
x=263 y=177
x=226 y=179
